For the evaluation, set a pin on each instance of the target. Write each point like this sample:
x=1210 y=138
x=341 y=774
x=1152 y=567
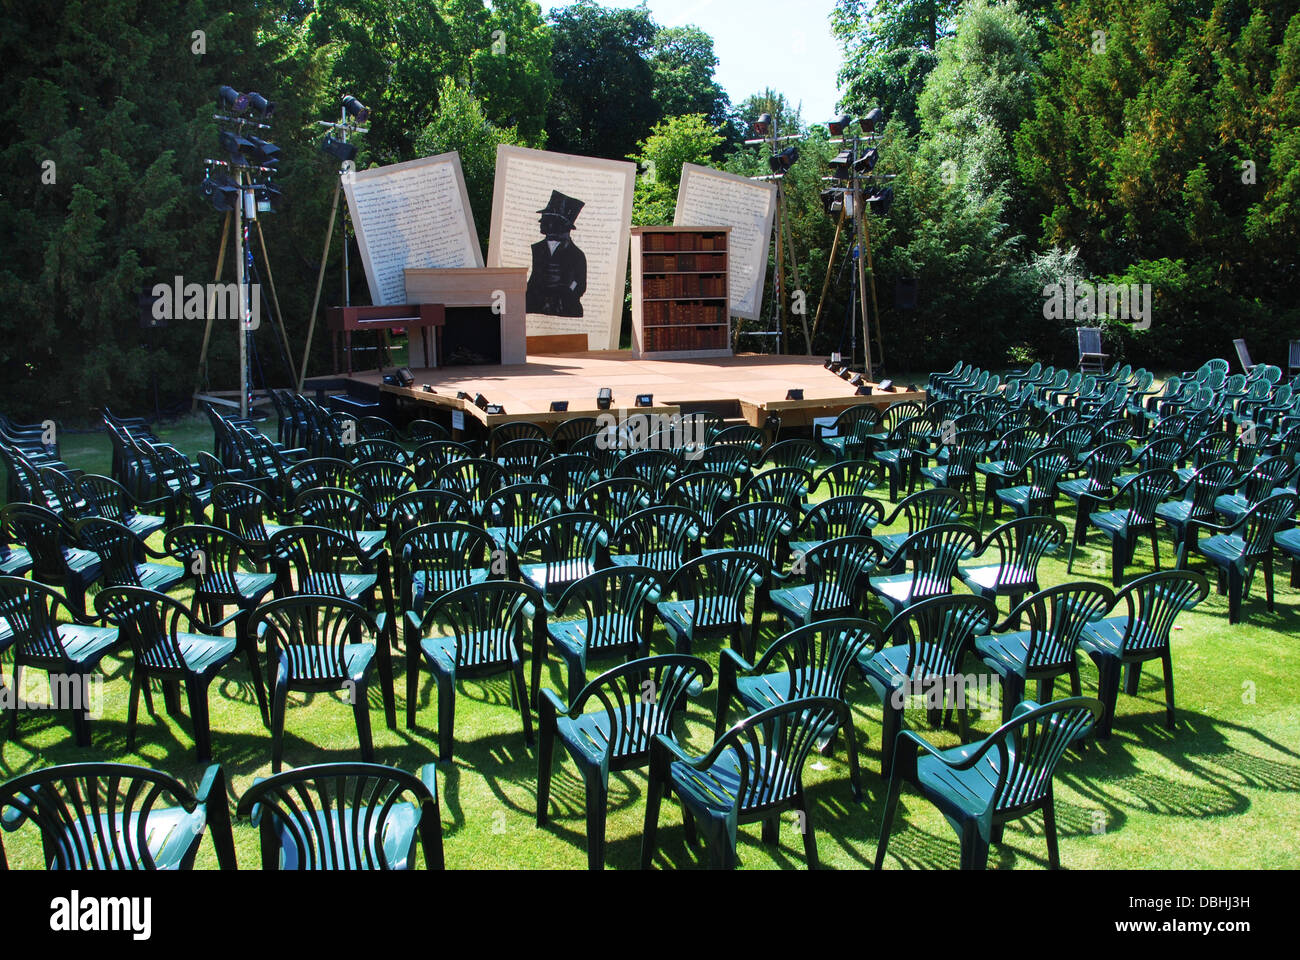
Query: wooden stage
x=749 y=386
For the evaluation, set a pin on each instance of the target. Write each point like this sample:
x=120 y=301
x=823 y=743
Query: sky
x=782 y=44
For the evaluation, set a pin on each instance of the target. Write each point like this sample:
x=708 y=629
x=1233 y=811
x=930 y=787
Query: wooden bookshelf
x=680 y=304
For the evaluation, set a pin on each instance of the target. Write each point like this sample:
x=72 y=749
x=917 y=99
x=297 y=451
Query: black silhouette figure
x=559 y=277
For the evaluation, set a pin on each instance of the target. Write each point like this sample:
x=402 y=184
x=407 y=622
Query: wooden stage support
x=751 y=386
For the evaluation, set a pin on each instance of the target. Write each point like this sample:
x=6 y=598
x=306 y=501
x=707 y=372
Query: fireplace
x=471 y=337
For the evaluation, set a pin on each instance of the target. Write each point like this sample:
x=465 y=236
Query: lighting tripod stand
x=242 y=198
x=852 y=167
x=337 y=145
x=779 y=162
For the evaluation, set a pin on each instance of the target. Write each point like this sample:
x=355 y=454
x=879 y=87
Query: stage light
x=846 y=373
x=340 y=150
x=867 y=162
x=494 y=408
x=882 y=201
x=462 y=395
x=828 y=364
x=269 y=198
x=559 y=406
x=794 y=393
x=857 y=380
x=231 y=100
x=838 y=126
x=261 y=106
x=481 y=401
x=874 y=117
x=763 y=125
x=223 y=194
x=248 y=149
x=355 y=109
x=862 y=391
x=604 y=398
x=842 y=165
x=781 y=162
x=886 y=384
x=645 y=399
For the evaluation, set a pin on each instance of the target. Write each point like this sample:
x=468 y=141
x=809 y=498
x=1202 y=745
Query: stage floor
x=757 y=383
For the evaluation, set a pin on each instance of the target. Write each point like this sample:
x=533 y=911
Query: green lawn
x=1219 y=791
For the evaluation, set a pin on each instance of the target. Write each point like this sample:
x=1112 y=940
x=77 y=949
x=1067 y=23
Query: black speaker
x=905 y=293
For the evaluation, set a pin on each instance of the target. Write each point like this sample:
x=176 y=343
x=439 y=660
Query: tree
x=604 y=102
x=675 y=141
x=505 y=54
x=889 y=49
x=684 y=64
x=460 y=125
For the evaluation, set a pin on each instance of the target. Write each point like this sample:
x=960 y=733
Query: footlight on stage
x=462 y=395
x=781 y=162
x=494 y=408
x=886 y=384
x=863 y=391
x=559 y=406
x=857 y=380
x=481 y=401
x=230 y=99
x=355 y=109
x=794 y=393
x=604 y=398
x=763 y=125
x=645 y=399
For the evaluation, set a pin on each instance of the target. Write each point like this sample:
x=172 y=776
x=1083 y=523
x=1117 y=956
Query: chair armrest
x=429 y=777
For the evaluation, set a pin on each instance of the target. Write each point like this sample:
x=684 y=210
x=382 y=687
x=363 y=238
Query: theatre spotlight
x=604 y=398
x=223 y=194
x=462 y=395
x=261 y=106
x=492 y=408
x=355 y=109
x=875 y=116
x=559 y=406
x=230 y=99
x=838 y=126
x=645 y=399
x=867 y=162
x=882 y=201
x=842 y=165
x=481 y=401
x=763 y=125
x=781 y=162
x=269 y=198
x=340 y=150
x=832 y=200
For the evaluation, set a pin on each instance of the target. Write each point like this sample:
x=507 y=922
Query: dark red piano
x=426 y=317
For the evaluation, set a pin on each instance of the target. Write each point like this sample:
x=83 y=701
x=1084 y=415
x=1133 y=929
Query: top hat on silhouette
x=567 y=208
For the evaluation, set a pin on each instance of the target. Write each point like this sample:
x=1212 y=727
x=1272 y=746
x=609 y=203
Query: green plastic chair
x=753 y=772
x=69 y=650
x=616 y=499
x=1021 y=545
x=925 y=508
x=855 y=478
x=828 y=581
x=475 y=631
x=784 y=485
x=50 y=547
x=661 y=538
x=934 y=554
x=116 y=816
x=316 y=642
x=844 y=516
x=510 y=512
x=607 y=613
x=346 y=816
x=929 y=640
x=170 y=643
x=634 y=703
x=813 y=660
x=847 y=437
x=709 y=595
x=1123 y=527
x=1238 y=549
x=709 y=493
x=1047 y=650
x=980 y=787
x=223 y=570
x=1153 y=603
